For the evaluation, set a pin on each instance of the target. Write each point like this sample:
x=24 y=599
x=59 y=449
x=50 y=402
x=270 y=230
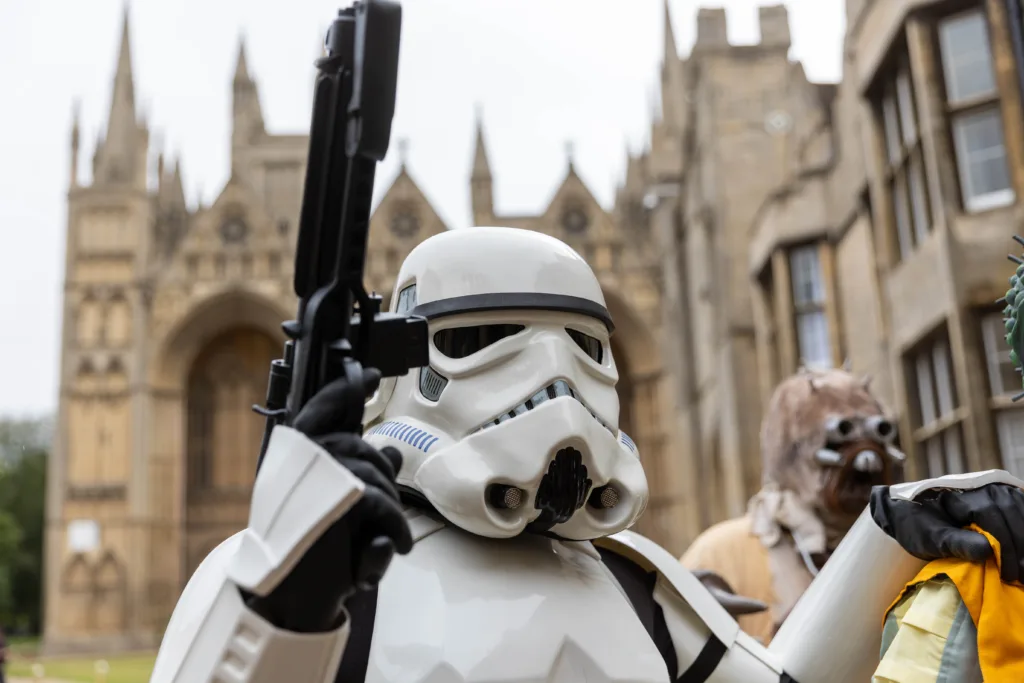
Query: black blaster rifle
x=339 y=328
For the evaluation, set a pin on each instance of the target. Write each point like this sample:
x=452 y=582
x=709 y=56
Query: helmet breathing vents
x=562 y=491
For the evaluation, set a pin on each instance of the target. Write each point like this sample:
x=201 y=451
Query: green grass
x=23 y=646
x=123 y=669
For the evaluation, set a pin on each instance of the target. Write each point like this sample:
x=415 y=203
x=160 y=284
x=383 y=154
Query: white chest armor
x=462 y=609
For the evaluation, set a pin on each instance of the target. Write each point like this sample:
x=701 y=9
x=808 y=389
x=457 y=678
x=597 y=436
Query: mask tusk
x=896 y=454
x=867 y=461
x=828 y=457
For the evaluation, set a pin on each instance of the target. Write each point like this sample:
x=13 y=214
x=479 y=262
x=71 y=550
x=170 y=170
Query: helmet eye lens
x=590 y=345
x=461 y=342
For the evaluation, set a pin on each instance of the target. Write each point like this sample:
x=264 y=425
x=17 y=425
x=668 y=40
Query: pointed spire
x=124 y=56
x=570 y=155
x=76 y=114
x=241 y=66
x=177 y=186
x=160 y=169
x=118 y=157
x=75 y=140
x=635 y=180
x=654 y=102
x=671 y=50
x=403 y=153
x=246 y=113
x=481 y=166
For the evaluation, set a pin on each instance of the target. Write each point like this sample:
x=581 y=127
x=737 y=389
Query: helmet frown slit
x=556 y=389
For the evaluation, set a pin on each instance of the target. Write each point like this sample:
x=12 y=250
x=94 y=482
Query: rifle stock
x=339 y=328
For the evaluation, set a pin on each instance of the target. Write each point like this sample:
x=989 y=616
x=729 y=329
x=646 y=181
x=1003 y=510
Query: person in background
x=826 y=440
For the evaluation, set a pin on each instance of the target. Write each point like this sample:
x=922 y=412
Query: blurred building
x=866 y=222
x=773 y=222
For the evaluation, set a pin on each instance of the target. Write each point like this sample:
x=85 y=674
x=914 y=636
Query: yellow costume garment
x=956 y=621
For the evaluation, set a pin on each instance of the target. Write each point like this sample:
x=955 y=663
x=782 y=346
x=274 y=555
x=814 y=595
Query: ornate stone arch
x=109 y=587
x=88 y=320
x=75 y=586
x=76 y=576
x=117 y=319
x=187 y=335
x=202 y=521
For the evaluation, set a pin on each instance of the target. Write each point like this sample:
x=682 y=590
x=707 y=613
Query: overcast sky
x=544 y=73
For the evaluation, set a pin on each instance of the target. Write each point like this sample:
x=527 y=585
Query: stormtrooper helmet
x=513 y=427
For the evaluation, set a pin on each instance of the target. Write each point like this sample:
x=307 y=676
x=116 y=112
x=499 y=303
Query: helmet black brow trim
x=513 y=301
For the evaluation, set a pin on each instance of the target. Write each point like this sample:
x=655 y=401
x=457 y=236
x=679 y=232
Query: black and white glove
x=355 y=551
x=932 y=526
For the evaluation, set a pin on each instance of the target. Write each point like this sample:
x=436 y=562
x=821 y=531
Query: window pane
x=805 y=271
x=813 y=339
x=981 y=156
x=966 y=57
x=944 y=388
x=954 y=453
x=1010 y=425
x=891 y=125
x=901 y=214
x=908 y=117
x=1003 y=377
x=933 y=452
x=925 y=390
x=918 y=199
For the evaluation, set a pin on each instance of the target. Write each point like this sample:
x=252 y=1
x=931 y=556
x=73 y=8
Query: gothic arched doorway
x=223 y=436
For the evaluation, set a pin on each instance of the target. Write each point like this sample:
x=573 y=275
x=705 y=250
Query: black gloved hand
x=932 y=526
x=355 y=551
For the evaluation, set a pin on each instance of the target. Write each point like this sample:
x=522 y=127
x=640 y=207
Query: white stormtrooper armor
x=522 y=489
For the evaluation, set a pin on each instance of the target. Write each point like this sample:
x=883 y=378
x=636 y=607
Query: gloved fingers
x=338 y=406
x=371 y=476
x=373 y=561
x=394 y=457
x=344 y=445
x=1009 y=501
x=964 y=544
x=378 y=514
x=995 y=523
x=999 y=510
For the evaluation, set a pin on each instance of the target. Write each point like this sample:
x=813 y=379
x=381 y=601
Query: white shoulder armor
x=212 y=635
x=708 y=643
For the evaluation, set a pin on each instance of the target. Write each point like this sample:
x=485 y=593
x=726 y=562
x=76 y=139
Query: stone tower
x=102 y=400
